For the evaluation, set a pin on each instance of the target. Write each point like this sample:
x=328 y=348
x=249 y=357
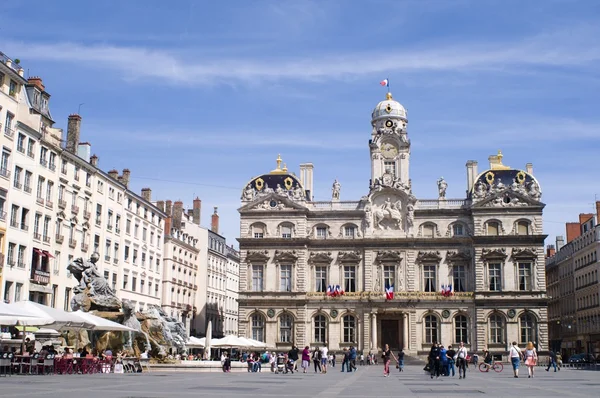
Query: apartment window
x=36 y=226
x=285 y=278
x=144 y=260
x=125 y=281
x=61 y=192
x=76 y=172
x=461 y=329
x=286 y=231
x=49 y=191
x=116 y=252
x=46 y=228
x=493 y=228
x=459 y=278
x=118 y=223
x=136 y=229
x=390 y=167
x=17 y=177
x=144 y=234
x=257 y=278
x=430 y=278
x=12 y=88
x=496 y=329
x=40 y=188
x=57 y=263
x=43 y=156
x=30 y=147
x=431 y=329
x=20 y=139
x=128 y=226
x=126 y=253
x=14 y=216
x=21 y=256
x=522 y=228
x=157 y=264
x=18 y=290
x=4 y=163
x=350 y=278
x=320 y=329
x=27 y=181
x=107 y=251
x=321 y=279
x=24 y=219
x=322 y=232
x=349 y=231
x=495 y=276
x=389 y=275
x=11 y=253
x=524 y=276
x=135 y=256
x=88 y=180
x=152 y=238
x=98 y=214
x=133 y=283
x=458 y=230
x=349 y=329
x=100 y=187
x=52 y=162
x=114 y=281
x=528 y=328
x=286 y=324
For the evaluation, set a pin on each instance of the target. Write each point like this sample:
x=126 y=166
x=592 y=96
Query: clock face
x=273 y=203
x=389 y=123
x=389 y=151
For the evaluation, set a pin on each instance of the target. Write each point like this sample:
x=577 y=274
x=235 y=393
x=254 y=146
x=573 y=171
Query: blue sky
x=197 y=97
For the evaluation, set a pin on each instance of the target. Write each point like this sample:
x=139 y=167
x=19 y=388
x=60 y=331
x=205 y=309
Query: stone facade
x=488 y=246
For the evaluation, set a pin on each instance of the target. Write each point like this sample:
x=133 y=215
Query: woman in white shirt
x=515 y=358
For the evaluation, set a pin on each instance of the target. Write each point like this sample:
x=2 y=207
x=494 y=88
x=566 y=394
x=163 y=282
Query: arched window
x=522 y=228
x=428 y=230
x=286 y=328
x=527 y=325
x=286 y=231
x=258 y=231
x=349 y=329
x=458 y=230
x=461 y=329
x=496 y=329
x=431 y=329
x=493 y=228
x=258 y=327
x=320 y=329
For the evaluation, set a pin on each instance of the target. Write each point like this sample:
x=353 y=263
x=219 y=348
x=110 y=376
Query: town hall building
x=391 y=268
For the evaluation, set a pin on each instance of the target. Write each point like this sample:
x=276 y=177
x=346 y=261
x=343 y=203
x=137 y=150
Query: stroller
x=284 y=365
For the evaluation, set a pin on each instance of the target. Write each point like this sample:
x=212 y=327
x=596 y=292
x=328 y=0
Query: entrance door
x=390 y=333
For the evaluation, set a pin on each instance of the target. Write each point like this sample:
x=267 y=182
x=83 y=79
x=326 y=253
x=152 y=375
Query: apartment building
x=233 y=288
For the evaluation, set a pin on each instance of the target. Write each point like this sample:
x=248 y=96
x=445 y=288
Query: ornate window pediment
x=74 y=220
x=488 y=254
x=350 y=257
x=61 y=214
x=429 y=256
x=320 y=258
x=458 y=255
x=528 y=253
x=388 y=256
x=282 y=256
x=259 y=256
x=86 y=225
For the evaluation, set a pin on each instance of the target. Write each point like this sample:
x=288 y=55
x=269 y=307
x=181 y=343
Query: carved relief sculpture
x=388 y=215
x=428 y=256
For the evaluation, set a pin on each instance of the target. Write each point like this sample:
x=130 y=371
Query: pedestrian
x=386 y=355
x=362 y=359
x=515 y=358
x=401 y=360
x=333 y=360
x=559 y=359
x=531 y=358
x=434 y=360
x=316 y=357
x=443 y=361
x=352 y=358
x=461 y=361
x=450 y=354
x=293 y=356
x=305 y=359
x=552 y=359
x=324 y=357
x=345 y=361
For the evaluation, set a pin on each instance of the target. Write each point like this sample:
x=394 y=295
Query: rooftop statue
x=93 y=291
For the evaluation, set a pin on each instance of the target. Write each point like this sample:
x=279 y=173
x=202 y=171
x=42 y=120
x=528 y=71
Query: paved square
x=368 y=381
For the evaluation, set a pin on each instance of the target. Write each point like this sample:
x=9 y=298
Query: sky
x=198 y=97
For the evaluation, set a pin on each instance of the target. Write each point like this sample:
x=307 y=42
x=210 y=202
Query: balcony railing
x=107 y=258
x=118 y=230
x=24 y=227
x=2 y=216
x=27 y=189
x=74 y=209
x=52 y=166
x=39 y=201
x=4 y=172
x=115 y=260
x=14 y=224
x=49 y=204
x=10 y=133
x=72 y=243
x=98 y=222
x=62 y=204
x=20 y=149
x=44 y=162
x=59 y=238
x=30 y=154
x=87 y=214
x=46 y=238
x=41 y=277
x=18 y=185
x=109 y=227
x=84 y=247
x=37 y=236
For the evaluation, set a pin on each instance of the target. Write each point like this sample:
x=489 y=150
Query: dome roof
x=278 y=180
x=389 y=108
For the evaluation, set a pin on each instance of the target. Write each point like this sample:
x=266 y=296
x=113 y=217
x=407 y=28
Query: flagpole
x=388 y=79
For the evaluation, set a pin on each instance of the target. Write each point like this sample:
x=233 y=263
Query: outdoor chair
x=6 y=364
x=46 y=365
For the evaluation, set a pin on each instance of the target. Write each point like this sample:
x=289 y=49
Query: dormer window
x=258 y=231
x=322 y=232
x=522 y=228
x=493 y=228
x=349 y=231
x=286 y=231
x=428 y=230
x=458 y=230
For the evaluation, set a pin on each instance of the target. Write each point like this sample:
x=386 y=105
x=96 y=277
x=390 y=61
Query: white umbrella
x=253 y=343
x=19 y=316
x=102 y=323
x=195 y=342
x=230 y=341
x=60 y=319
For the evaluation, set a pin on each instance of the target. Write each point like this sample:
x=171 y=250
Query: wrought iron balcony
x=62 y=204
x=39 y=201
x=84 y=247
x=74 y=209
x=72 y=243
x=86 y=214
x=59 y=238
x=27 y=189
x=46 y=239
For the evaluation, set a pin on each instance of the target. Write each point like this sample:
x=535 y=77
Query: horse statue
x=130 y=320
x=389 y=211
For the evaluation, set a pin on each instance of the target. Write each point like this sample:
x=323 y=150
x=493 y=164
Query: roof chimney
x=161 y=205
x=168 y=226
x=37 y=82
x=177 y=214
x=550 y=251
x=147 y=194
x=73 y=132
x=560 y=242
x=125 y=177
x=214 y=222
x=197 y=210
x=114 y=174
x=529 y=168
x=169 y=208
x=598 y=211
x=471 y=174
x=573 y=230
x=94 y=160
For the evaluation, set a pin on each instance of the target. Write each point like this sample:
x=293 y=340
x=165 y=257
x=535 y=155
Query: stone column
x=405 y=340
x=373 y=331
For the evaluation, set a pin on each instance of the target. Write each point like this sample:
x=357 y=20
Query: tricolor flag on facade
x=389 y=292
x=329 y=291
x=385 y=83
x=338 y=290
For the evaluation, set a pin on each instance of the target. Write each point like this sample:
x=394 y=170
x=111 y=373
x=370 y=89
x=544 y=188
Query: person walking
x=305 y=359
x=386 y=355
x=352 y=359
x=515 y=358
x=450 y=354
x=531 y=358
x=461 y=361
x=434 y=360
x=316 y=357
x=293 y=356
x=401 y=360
x=552 y=359
x=345 y=361
x=324 y=357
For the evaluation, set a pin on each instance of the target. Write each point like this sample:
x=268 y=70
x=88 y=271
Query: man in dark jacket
x=293 y=356
x=434 y=360
x=345 y=364
x=352 y=359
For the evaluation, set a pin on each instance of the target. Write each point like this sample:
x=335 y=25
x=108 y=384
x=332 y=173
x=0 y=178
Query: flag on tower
x=385 y=83
x=389 y=292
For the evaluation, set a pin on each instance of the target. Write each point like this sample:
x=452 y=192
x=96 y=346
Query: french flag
x=385 y=83
x=329 y=291
x=389 y=292
x=339 y=291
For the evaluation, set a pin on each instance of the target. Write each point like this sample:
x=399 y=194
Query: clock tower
x=389 y=145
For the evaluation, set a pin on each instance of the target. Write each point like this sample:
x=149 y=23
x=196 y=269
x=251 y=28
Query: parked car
x=582 y=358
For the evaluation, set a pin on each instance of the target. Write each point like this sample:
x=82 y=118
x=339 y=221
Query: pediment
x=528 y=253
x=285 y=256
x=488 y=254
x=61 y=214
x=388 y=256
x=429 y=256
x=507 y=197
x=272 y=202
x=74 y=220
x=350 y=256
x=257 y=256
x=458 y=256
x=320 y=257
x=86 y=225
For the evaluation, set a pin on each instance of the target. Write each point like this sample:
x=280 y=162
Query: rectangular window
x=40 y=188
x=36 y=226
x=349 y=232
x=20 y=140
x=125 y=281
x=321 y=232
x=321 y=279
x=495 y=277
x=30 y=148
x=524 y=276
x=67 y=298
x=46 y=229
x=144 y=234
x=21 y=256
x=128 y=226
x=133 y=283
x=135 y=255
x=98 y=214
x=257 y=278
x=285 y=278
x=52 y=161
x=4 y=164
x=96 y=242
x=389 y=275
x=350 y=278
x=430 y=278
x=17 y=177
x=49 y=189
x=459 y=278
x=286 y=231
x=390 y=167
